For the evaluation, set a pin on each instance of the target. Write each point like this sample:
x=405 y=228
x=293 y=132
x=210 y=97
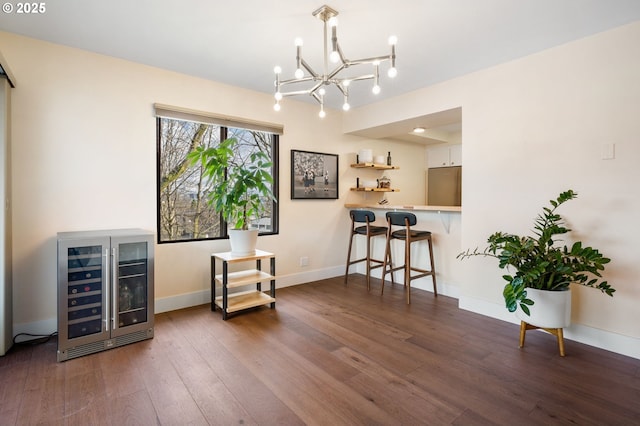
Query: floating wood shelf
x=363 y=189
x=374 y=166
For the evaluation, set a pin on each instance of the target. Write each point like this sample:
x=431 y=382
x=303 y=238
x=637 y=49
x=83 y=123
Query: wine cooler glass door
x=131 y=286
x=83 y=296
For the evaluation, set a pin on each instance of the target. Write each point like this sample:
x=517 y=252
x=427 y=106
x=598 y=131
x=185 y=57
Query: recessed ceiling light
x=418 y=130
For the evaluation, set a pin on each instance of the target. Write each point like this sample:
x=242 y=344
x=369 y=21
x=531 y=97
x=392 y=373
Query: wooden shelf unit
x=230 y=302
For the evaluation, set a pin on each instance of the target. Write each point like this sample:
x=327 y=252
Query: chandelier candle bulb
x=393 y=40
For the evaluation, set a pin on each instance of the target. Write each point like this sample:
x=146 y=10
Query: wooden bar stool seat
x=368 y=231
x=408 y=235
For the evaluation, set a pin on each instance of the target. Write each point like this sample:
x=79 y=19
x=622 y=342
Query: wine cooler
x=105 y=290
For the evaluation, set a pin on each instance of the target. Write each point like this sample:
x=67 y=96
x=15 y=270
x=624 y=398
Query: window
x=183 y=211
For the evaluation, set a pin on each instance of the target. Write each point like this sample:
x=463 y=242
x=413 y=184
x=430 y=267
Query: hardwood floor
x=329 y=354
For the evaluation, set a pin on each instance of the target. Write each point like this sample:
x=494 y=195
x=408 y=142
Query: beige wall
x=85 y=158
x=531 y=129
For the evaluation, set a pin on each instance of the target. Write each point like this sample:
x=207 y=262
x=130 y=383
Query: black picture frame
x=314 y=175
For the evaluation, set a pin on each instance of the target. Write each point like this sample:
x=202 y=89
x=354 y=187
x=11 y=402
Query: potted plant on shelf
x=543 y=268
x=239 y=189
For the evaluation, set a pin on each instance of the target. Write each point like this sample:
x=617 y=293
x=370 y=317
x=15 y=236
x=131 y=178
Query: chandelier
x=318 y=81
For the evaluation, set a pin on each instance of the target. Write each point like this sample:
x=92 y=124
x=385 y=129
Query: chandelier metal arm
x=336 y=71
x=309 y=69
x=296 y=80
x=342 y=89
x=312 y=91
x=368 y=60
x=341 y=56
x=296 y=92
x=361 y=77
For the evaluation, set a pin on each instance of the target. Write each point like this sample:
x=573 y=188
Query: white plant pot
x=243 y=242
x=550 y=309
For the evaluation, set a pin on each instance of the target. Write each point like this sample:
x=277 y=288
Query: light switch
x=608 y=151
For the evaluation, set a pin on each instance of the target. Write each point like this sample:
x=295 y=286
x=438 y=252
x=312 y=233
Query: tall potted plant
x=542 y=265
x=239 y=190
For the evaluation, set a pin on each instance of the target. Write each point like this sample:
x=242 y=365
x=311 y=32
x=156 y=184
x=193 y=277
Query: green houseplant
x=239 y=188
x=540 y=263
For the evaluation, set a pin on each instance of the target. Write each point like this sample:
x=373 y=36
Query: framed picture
x=314 y=175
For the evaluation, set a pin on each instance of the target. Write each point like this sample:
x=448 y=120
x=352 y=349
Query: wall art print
x=314 y=175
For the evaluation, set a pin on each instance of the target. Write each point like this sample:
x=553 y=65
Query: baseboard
x=623 y=345
x=424 y=283
x=202 y=297
x=181 y=301
x=37 y=328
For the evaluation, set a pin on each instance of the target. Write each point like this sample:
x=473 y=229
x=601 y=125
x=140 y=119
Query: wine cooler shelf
x=105 y=290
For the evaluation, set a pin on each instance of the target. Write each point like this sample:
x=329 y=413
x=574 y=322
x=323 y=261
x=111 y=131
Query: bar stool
x=369 y=231
x=407 y=220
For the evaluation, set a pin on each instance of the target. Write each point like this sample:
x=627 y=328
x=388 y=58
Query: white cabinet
x=444 y=156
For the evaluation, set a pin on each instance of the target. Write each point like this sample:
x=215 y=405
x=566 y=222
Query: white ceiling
x=239 y=42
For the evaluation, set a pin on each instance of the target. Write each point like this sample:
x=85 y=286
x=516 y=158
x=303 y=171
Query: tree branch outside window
x=183 y=213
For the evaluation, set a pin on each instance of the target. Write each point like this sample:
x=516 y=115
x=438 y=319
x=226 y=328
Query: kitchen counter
x=453 y=209
x=444 y=222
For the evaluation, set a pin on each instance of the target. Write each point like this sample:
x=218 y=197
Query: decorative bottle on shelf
x=389 y=158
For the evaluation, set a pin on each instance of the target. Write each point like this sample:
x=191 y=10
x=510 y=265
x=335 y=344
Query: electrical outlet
x=304 y=261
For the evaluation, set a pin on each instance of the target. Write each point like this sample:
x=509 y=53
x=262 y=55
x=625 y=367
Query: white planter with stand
x=551 y=311
x=243 y=242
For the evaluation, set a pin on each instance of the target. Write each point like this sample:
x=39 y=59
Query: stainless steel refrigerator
x=444 y=186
